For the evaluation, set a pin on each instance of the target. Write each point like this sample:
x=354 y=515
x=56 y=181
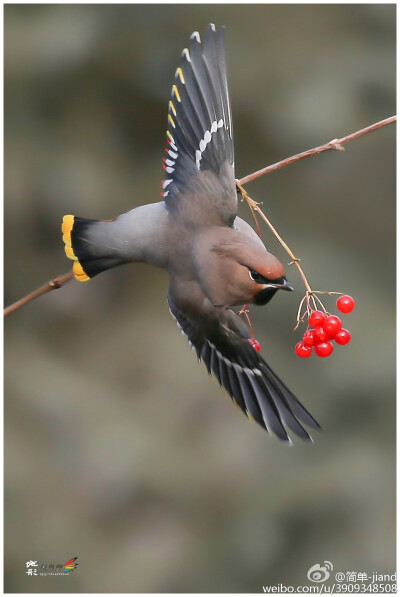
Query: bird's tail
x=83 y=245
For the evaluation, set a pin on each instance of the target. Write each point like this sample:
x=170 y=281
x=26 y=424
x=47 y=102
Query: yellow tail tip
x=66 y=228
x=79 y=274
x=67 y=224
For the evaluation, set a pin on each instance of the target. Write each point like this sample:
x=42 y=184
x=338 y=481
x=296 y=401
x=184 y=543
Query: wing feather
x=199 y=132
x=244 y=374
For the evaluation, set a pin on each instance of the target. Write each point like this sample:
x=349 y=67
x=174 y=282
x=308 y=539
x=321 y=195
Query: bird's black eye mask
x=257 y=277
x=262 y=280
x=265 y=295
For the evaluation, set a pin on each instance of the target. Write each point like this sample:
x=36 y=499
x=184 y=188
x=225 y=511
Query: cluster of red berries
x=325 y=329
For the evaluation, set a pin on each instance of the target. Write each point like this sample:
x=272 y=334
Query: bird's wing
x=221 y=342
x=199 y=135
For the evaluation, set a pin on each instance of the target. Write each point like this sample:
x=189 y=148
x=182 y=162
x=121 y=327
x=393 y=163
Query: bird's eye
x=256 y=276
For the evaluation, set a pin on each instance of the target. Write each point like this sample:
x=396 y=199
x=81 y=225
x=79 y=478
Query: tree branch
x=55 y=283
x=334 y=144
x=337 y=144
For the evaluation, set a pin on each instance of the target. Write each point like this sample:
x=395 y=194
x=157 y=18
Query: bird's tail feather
x=79 y=246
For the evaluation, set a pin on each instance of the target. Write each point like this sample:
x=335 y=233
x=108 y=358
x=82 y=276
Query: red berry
x=345 y=303
x=320 y=335
x=332 y=325
x=316 y=318
x=309 y=338
x=255 y=344
x=324 y=349
x=343 y=337
x=302 y=350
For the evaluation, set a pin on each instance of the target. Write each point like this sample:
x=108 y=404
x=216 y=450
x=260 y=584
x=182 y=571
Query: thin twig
x=59 y=281
x=334 y=144
x=310 y=293
x=55 y=283
x=255 y=207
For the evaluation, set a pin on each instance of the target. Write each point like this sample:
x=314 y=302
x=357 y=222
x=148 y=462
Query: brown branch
x=334 y=144
x=55 y=283
x=59 y=281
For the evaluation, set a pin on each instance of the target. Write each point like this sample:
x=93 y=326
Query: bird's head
x=234 y=269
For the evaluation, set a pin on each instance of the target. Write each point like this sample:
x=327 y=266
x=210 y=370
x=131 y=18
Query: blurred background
x=119 y=450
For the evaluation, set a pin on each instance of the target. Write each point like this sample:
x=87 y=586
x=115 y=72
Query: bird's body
x=214 y=259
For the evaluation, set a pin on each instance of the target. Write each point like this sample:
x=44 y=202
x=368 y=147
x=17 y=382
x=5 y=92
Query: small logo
x=35 y=568
x=70 y=565
x=320 y=572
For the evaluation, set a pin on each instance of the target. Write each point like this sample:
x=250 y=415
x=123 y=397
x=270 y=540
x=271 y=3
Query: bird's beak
x=281 y=285
x=269 y=290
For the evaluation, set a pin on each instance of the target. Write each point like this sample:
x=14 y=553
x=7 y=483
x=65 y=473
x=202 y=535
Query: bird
x=214 y=259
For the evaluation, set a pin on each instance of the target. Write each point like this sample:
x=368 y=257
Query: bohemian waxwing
x=214 y=259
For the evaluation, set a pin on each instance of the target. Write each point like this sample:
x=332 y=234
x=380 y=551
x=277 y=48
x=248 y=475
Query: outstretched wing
x=199 y=135
x=244 y=374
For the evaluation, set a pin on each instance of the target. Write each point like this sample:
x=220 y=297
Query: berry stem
x=318 y=299
x=244 y=312
x=300 y=317
x=255 y=207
